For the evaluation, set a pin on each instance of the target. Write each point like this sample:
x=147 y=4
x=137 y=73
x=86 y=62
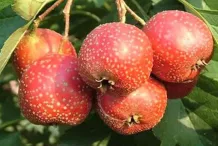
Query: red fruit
x=36 y=44
x=179 y=90
x=140 y=110
x=51 y=92
x=116 y=57
x=182 y=45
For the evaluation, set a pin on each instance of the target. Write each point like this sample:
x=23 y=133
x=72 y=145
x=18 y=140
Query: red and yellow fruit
x=38 y=43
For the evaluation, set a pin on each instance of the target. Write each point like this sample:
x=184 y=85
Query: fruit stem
x=66 y=12
x=43 y=15
x=139 y=19
x=121 y=10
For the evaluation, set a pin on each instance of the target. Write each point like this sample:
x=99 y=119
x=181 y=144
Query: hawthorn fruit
x=140 y=110
x=52 y=92
x=182 y=45
x=116 y=57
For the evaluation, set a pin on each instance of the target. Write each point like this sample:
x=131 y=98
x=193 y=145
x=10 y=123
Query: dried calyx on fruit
x=116 y=57
x=105 y=84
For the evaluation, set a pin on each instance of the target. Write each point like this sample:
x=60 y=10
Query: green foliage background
x=192 y=121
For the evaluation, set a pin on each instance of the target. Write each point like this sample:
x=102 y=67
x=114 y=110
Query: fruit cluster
x=131 y=71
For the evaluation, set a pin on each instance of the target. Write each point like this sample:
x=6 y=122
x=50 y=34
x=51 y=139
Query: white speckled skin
x=119 y=52
x=148 y=101
x=52 y=92
x=179 y=39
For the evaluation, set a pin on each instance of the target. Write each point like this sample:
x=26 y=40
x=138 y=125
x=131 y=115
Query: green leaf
x=29 y=8
x=199 y=4
x=203 y=112
x=204 y=105
x=10 y=45
x=176 y=127
x=207 y=135
x=142 y=7
x=211 y=70
x=5 y=3
x=208 y=85
x=215 y=53
x=213 y=4
x=210 y=16
x=192 y=121
x=208 y=80
x=9 y=22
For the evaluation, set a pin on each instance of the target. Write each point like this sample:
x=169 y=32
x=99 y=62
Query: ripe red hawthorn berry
x=140 y=110
x=182 y=45
x=116 y=57
x=179 y=90
x=36 y=44
x=51 y=92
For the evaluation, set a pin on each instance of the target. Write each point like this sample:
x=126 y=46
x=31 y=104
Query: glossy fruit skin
x=179 y=40
x=118 y=52
x=149 y=101
x=51 y=92
x=179 y=90
x=36 y=44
